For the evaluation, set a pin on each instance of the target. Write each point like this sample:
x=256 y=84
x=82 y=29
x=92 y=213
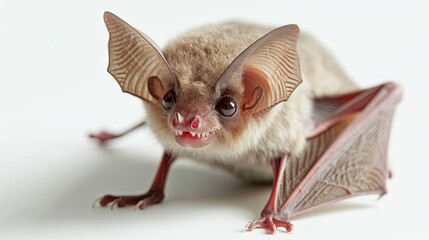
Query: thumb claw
x=248 y=227
x=140 y=205
x=96 y=201
x=115 y=203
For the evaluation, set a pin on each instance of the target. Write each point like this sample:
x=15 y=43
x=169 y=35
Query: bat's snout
x=191 y=130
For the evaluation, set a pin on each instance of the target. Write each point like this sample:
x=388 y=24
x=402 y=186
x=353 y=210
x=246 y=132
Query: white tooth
x=204 y=135
x=198 y=135
x=193 y=134
x=180 y=133
x=176 y=133
x=179 y=117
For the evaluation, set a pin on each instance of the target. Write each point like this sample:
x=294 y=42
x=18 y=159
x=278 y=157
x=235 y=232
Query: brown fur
x=244 y=144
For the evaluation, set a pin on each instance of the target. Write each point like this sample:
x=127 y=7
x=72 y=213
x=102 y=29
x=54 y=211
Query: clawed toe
x=270 y=223
x=140 y=205
x=118 y=203
x=103 y=201
x=140 y=201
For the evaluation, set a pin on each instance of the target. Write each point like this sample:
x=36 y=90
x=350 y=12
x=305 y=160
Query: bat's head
x=203 y=90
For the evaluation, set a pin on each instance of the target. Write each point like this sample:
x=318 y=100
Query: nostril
x=175 y=122
x=195 y=122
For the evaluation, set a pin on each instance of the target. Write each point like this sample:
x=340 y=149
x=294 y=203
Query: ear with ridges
x=269 y=70
x=134 y=59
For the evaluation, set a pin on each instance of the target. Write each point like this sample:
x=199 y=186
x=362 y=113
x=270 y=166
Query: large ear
x=136 y=62
x=269 y=70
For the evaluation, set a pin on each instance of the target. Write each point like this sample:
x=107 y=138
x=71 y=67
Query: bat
x=266 y=105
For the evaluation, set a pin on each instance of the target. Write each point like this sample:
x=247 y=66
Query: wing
x=136 y=62
x=346 y=151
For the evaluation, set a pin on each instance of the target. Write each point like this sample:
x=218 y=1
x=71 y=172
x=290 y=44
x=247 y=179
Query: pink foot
x=270 y=223
x=140 y=201
x=102 y=137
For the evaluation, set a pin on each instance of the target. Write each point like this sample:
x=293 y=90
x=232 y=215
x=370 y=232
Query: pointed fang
x=179 y=117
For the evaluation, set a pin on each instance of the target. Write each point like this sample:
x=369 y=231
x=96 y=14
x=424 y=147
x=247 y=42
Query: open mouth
x=192 y=139
x=192 y=134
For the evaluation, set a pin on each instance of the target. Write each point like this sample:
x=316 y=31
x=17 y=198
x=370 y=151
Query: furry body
x=200 y=56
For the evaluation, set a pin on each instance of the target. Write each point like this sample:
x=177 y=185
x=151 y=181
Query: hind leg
x=104 y=137
x=270 y=220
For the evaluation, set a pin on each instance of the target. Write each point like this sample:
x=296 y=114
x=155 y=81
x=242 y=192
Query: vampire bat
x=266 y=105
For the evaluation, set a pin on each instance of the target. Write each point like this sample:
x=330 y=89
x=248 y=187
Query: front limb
x=154 y=195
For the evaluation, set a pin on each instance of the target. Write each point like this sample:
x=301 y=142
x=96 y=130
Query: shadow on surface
x=189 y=186
x=334 y=208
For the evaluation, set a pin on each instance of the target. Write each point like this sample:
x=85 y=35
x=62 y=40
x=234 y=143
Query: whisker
x=156 y=130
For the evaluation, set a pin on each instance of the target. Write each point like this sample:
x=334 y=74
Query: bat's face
x=196 y=116
x=207 y=85
x=195 y=111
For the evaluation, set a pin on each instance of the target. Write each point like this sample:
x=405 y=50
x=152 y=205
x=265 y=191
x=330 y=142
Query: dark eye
x=168 y=100
x=226 y=106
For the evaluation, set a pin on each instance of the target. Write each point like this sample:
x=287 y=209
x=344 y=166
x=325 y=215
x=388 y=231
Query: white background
x=55 y=89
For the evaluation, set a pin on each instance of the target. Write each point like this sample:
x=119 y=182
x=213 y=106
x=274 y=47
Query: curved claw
x=96 y=201
x=270 y=223
x=103 y=201
x=116 y=202
x=140 y=205
x=140 y=201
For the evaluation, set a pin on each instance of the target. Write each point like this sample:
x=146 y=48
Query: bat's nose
x=186 y=120
x=177 y=119
x=195 y=122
